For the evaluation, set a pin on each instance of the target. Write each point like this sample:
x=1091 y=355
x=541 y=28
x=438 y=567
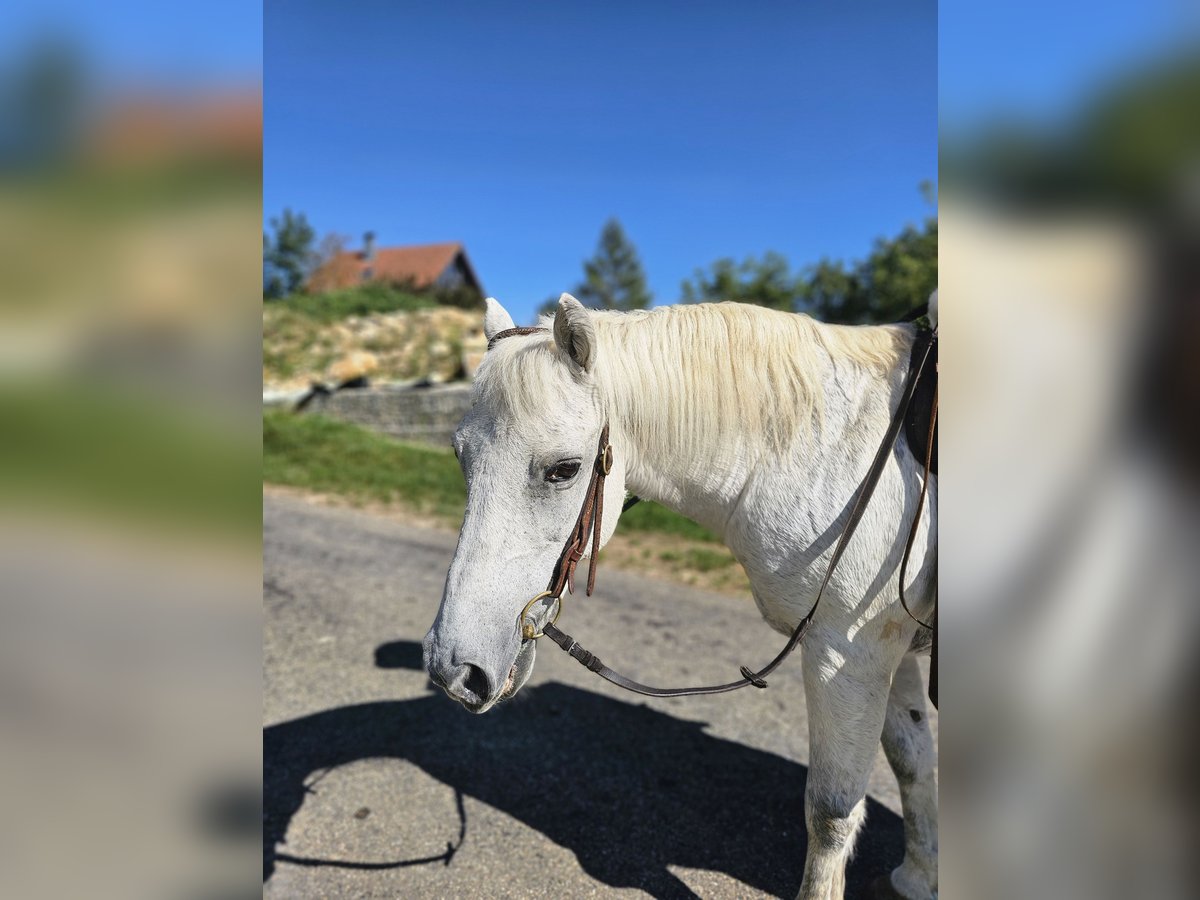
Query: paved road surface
x=378 y=786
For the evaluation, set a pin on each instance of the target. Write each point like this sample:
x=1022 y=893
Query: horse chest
x=785 y=559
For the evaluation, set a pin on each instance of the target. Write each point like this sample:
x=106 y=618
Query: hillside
x=300 y=345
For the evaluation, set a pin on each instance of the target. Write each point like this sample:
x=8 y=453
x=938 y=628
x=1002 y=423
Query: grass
x=319 y=454
x=129 y=457
x=363 y=467
x=698 y=558
x=359 y=301
x=647 y=516
x=119 y=193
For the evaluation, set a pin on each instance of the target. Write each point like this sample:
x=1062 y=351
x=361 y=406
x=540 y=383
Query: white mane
x=689 y=376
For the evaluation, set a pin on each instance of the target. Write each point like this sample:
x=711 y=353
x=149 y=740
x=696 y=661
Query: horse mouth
x=520 y=671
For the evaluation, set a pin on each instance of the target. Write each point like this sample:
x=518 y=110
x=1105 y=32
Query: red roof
x=421 y=265
x=161 y=127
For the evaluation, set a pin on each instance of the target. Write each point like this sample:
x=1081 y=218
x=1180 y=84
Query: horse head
x=526 y=449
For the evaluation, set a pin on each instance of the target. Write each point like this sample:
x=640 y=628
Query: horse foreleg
x=847 y=694
x=908 y=744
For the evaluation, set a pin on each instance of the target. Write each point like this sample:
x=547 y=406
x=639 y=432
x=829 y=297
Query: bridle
x=589 y=521
x=591 y=516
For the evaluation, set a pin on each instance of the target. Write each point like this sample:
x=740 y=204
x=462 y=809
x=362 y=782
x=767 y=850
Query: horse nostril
x=477 y=682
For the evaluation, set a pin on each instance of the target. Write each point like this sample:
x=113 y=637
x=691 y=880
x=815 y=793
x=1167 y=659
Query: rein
x=591 y=514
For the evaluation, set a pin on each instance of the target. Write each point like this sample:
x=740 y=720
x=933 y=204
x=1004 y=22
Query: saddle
x=922 y=443
x=916 y=423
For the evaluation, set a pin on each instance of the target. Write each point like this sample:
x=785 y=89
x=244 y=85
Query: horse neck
x=674 y=455
x=694 y=471
x=703 y=487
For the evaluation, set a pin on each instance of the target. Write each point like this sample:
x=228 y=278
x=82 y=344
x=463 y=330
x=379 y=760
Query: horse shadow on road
x=628 y=789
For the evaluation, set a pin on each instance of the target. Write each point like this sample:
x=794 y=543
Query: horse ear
x=496 y=319
x=574 y=332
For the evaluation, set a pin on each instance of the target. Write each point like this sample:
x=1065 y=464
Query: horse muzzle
x=466 y=683
x=472 y=682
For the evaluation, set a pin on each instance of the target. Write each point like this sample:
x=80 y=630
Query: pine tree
x=614 y=278
x=288 y=258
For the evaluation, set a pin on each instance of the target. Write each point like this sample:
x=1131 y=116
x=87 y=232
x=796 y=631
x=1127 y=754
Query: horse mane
x=687 y=377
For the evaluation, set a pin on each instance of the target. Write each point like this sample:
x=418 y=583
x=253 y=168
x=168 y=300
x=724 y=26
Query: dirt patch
x=710 y=567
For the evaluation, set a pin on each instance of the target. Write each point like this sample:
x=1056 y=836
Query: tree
x=766 y=282
x=831 y=292
x=288 y=257
x=273 y=286
x=1130 y=148
x=549 y=306
x=899 y=275
x=45 y=99
x=614 y=278
x=329 y=248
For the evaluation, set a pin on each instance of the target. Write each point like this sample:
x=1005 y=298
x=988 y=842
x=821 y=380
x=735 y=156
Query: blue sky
x=992 y=63
x=709 y=130
x=146 y=45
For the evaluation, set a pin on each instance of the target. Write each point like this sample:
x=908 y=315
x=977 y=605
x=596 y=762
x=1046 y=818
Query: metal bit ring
x=528 y=629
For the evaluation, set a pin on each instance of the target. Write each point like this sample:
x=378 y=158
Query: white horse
x=758 y=425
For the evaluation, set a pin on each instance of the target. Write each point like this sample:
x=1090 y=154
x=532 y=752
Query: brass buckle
x=605 y=460
x=527 y=628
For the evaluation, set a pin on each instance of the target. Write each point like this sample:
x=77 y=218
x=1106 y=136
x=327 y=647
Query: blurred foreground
x=130 y=174
x=1070 y=288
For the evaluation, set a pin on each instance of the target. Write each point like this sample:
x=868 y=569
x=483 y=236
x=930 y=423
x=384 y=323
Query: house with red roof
x=422 y=266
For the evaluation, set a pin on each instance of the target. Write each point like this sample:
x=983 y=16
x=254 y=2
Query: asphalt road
x=376 y=785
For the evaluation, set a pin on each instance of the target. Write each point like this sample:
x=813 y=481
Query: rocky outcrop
x=437 y=345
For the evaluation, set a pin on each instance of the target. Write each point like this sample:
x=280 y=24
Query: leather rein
x=588 y=524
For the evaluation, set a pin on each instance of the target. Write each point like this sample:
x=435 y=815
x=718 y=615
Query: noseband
x=591 y=515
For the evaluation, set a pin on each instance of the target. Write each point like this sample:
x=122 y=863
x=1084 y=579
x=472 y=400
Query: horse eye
x=563 y=471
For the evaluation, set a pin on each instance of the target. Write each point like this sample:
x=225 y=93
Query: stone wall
x=413 y=414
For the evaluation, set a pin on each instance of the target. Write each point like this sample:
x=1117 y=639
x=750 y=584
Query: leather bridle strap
x=921 y=353
x=916 y=523
x=514 y=332
x=912 y=536
x=591 y=515
x=588 y=524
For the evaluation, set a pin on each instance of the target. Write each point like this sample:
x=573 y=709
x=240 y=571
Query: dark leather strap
x=919 y=431
x=513 y=332
x=916 y=522
x=591 y=514
x=588 y=524
x=923 y=344
x=933 y=666
x=912 y=536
